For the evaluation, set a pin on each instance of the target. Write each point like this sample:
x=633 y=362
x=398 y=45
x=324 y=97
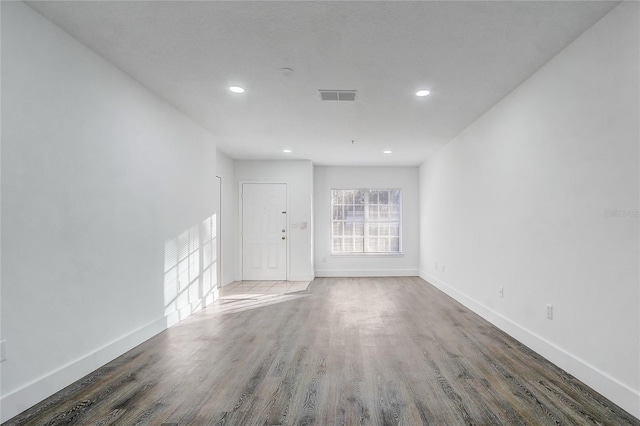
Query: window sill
x=338 y=255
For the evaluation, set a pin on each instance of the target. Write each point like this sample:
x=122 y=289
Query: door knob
x=283 y=238
x=283 y=230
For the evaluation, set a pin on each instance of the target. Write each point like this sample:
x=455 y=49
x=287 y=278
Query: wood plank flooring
x=347 y=351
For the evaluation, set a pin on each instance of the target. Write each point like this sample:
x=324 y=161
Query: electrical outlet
x=3 y=350
x=550 y=312
x=501 y=292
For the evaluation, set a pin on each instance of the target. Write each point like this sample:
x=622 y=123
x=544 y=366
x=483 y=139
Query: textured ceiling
x=469 y=54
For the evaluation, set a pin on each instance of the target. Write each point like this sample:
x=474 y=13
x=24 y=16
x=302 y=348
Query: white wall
x=298 y=175
x=328 y=178
x=519 y=200
x=97 y=173
x=229 y=227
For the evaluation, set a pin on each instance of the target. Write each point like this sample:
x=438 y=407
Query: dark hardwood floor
x=348 y=351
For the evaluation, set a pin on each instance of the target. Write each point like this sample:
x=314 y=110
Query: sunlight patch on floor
x=238 y=290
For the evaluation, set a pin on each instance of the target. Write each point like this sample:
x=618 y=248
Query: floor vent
x=338 y=95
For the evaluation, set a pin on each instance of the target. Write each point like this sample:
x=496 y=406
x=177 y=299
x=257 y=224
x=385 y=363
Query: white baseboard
x=228 y=280
x=366 y=273
x=613 y=389
x=21 y=399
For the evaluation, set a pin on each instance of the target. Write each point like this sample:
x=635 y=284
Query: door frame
x=241 y=225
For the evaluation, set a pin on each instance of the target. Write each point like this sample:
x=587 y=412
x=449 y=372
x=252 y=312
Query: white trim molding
x=610 y=387
x=326 y=273
x=27 y=396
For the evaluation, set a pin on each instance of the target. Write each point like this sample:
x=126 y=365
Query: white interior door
x=264 y=224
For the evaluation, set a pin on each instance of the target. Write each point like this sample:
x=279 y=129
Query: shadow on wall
x=190 y=271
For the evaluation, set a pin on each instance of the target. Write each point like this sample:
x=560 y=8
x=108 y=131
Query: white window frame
x=398 y=253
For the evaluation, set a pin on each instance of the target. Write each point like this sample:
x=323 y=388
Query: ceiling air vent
x=338 y=95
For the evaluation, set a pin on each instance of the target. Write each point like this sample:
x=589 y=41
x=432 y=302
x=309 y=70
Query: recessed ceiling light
x=422 y=92
x=386 y=152
x=286 y=71
x=236 y=89
x=286 y=150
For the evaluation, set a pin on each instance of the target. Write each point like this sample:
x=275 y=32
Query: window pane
x=373 y=213
x=395 y=244
x=395 y=197
x=359 y=213
x=358 y=245
x=337 y=244
x=383 y=212
x=348 y=197
x=394 y=229
x=348 y=229
x=359 y=197
x=337 y=196
x=373 y=244
x=338 y=213
x=373 y=229
x=383 y=229
x=347 y=245
x=394 y=212
x=373 y=197
x=383 y=197
x=358 y=229
x=337 y=229
x=349 y=213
